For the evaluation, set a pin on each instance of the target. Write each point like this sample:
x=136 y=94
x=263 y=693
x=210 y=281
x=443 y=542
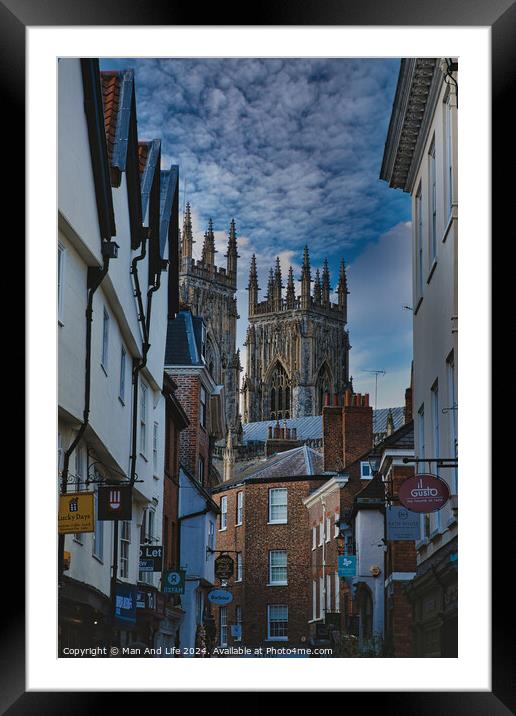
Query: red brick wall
x=333 y=448
x=347 y=431
x=254 y=539
x=171 y=492
x=194 y=441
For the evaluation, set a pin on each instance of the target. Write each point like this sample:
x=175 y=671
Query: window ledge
x=99 y=559
x=222 y=529
x=277 y=522
x=277 y=584
x=277 y=638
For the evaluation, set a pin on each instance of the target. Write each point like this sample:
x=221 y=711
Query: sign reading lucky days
x=424 y=493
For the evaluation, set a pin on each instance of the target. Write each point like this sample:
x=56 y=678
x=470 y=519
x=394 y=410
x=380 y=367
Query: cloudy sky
x=292 y=148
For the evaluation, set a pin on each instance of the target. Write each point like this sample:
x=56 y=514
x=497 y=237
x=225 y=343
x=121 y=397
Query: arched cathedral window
x=279 y=394
x=323 y=387
x=211 y=361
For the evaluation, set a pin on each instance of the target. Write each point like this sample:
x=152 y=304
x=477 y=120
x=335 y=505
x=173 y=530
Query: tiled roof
x=298 y=462
x=111 y=97
x=182 y=347
x=310 y=428
x=143 y=153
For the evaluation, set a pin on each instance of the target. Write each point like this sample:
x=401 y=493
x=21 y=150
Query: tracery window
x=279 y=392
x=323 y=386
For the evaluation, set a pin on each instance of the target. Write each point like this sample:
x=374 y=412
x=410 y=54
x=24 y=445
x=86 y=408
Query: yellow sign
x=76 y=513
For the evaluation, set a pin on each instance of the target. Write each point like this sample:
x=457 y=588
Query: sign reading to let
x=224 y=567
x=423 y=493
x=151 y=558
x=76 y=513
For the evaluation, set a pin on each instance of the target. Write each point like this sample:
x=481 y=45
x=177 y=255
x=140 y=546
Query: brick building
x=201 y=398
x=263 y=525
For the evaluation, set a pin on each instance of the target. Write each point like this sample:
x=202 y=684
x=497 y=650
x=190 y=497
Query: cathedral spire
x=270 y=288
x=291 y=291
x=278 y=286
x=252 y=286
x=326 y=288
x=232 y=254
x=342 y=290
x=306 y=280
x=188 y=240
x=208 y=249
x=317 y=289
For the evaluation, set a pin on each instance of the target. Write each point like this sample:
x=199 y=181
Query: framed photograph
x=222 y=195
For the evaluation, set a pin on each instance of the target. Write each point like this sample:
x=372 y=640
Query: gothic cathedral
x=209 y=291
x=297 y=346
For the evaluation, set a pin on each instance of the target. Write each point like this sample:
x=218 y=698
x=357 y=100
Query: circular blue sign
x=220 y=596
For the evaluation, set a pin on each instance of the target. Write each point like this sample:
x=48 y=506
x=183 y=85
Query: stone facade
x=209 y=291
x=297 y=346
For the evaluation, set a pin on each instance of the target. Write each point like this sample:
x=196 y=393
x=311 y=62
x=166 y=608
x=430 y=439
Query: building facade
x=117 y=235
x=209 y=291
x=297 y=346
x=421 y=158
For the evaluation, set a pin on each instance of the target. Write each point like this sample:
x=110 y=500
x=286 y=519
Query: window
x=238 y=577
x=365 y=471
x=238 y=620
x=143 y=418
x=200 y=470
x=223 y=512
x=98 y=535
x=60 y=277
x=223 y=626
x=105 y=341
x=121 y=388
x=79 y=476
x=155 y=429
x=433 y=202
x=328 y=592
x=419 y=242
x=321 y=533
x=314 y=537
x=436 y=443
x=425 y=518
x=337 y=592
x=125 y=541
x=449 y=154
x=240 y=507
x=328 y=529
x=211 y=536
x=452 y=415
x=321 y=597
x=202 y=414
x=314 y=599
x=278 y=505
x=337 y=525
x=277 y=622
x=279 y=394
x=278 y=566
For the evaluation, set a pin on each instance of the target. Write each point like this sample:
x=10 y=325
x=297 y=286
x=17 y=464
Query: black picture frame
x=500 y=16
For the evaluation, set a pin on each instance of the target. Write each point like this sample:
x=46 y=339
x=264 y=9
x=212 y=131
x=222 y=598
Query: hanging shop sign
x=76 y=513
x=402 y=524
x=125 y=602
x=151 y=558
x=347 y=565
x=220 y=596
x=423 y=493
x=115 y=502
x=224 y=567
x=173 y=581
x=236 y=631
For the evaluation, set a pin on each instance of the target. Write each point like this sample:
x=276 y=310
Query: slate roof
x=182 y=347
x=310 y=428
x=168 y=188
x=298 y=462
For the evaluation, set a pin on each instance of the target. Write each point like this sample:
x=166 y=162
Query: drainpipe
x=324 y=557
x=95 y=277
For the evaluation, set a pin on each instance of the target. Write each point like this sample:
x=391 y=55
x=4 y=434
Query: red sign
x=423 y=493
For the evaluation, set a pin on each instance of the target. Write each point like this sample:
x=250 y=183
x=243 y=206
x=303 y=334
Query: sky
x=291 y=149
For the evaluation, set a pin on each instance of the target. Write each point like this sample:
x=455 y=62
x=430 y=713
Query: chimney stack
x=347 y=431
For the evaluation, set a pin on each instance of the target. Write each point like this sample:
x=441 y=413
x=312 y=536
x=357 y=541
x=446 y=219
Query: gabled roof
x=182 y=347
x=168 y=189
x=299 y=462
x=149 y=154
x=119 y=103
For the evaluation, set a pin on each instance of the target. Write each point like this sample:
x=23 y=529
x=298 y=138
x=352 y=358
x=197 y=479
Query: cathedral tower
x=209 y=291
x=297 y=346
